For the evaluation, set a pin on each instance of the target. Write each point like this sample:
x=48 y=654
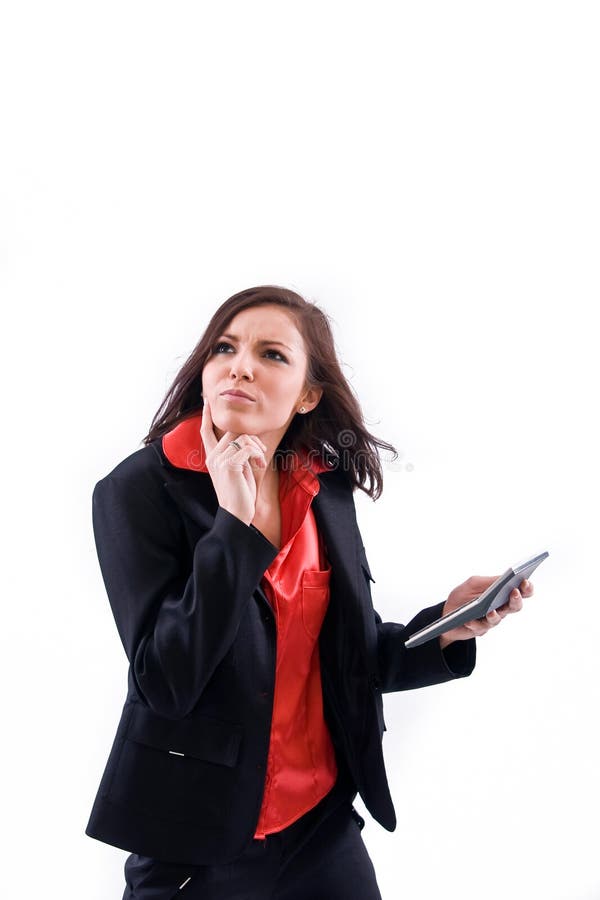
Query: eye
x=217 y=350
x=280 y=355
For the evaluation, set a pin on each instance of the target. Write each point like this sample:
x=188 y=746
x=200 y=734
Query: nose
x=241 y=367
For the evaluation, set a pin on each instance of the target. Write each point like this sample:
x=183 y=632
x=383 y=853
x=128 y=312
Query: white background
x=428 y=173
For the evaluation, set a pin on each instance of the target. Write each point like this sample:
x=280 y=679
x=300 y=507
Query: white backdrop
x=428 y=173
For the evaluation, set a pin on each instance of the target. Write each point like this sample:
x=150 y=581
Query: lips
x=237 y=394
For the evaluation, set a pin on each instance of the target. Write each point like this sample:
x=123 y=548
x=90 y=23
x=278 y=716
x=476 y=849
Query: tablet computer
x=497 y=594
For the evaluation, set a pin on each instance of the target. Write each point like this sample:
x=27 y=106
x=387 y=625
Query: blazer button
x=358 y=818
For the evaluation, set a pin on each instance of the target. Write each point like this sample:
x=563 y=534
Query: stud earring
x=302 y=409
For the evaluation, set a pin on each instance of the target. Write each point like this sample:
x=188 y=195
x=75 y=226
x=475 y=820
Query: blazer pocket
x=315 y=598
x=180 y=770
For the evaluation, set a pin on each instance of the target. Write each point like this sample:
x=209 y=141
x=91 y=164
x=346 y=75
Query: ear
x=311 y=398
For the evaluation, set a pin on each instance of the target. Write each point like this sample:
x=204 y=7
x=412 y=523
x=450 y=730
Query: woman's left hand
x=470 y=589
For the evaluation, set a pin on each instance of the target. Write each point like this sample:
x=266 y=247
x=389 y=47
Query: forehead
x=266 y=322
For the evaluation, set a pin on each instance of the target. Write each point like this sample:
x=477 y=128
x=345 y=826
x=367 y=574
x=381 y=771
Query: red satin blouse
x=301 y=764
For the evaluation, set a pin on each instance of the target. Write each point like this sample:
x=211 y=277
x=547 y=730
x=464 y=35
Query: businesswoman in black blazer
x=241 y=590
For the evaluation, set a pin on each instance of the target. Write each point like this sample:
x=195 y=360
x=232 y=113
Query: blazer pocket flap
x=202 y=737
x=316 y=578
x=366 y=569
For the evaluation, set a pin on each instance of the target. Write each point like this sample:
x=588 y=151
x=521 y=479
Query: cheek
x=282 y=391
x=209 y=374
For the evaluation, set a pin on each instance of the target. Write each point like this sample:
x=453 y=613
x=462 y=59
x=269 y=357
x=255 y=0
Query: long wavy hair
x=333 y=432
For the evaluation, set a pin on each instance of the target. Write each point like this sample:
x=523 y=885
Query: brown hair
x=334 y=431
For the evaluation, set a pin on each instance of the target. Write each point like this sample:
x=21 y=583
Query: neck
x=267 y=484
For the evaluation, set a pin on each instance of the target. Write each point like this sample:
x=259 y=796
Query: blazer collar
x=183 y=458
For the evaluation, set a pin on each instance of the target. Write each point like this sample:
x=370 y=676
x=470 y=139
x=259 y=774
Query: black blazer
x=185 y=775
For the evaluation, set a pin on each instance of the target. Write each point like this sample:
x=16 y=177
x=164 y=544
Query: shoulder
x=333 y=477
x=142 y=470
x=133 y=493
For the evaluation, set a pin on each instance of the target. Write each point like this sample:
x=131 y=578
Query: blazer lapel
x=335 y=514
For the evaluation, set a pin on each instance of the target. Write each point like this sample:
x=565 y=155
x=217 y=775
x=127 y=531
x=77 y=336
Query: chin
x=233 y=421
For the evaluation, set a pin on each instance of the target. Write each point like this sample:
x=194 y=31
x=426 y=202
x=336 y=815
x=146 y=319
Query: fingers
x=249 y=452
x=257 y=441
x=515 y=600
x=481 y=626
x=209 y=439
x=495 y=616
x=248 y=440
x=478 y=627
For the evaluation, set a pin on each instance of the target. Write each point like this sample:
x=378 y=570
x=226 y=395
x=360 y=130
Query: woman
x=240 y=587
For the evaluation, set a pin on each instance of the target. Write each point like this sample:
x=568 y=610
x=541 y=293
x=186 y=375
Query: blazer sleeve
x=402 y=669
x=176 y=626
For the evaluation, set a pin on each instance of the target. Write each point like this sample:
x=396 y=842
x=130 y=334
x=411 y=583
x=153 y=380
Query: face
x=260 y=352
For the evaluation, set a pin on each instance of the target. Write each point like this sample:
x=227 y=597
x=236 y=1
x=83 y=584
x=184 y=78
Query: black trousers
x=321 y=856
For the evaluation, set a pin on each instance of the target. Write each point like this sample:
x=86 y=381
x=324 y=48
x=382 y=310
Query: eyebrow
x=234 y=337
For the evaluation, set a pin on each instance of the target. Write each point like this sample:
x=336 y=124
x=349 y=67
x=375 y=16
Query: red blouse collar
x=183 y=447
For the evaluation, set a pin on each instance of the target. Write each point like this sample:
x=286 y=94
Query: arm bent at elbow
x=175 y=626
x=402 y=669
